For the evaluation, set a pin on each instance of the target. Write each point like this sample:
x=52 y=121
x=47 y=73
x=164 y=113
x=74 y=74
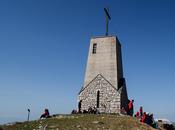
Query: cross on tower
x=107 y=19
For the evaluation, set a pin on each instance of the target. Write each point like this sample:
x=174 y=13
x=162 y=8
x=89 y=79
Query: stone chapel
x=104 y=84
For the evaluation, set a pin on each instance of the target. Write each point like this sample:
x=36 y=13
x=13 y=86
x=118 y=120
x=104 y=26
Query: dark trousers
x=131 y=112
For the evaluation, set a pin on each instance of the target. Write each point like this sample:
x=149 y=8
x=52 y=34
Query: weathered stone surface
x=109 y=101
x=104 y=61
x=103 y=72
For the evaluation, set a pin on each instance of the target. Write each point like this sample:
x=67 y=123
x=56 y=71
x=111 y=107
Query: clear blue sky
x=44 y=46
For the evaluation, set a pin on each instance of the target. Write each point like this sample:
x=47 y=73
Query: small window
x=98 y=98
x=94 y=48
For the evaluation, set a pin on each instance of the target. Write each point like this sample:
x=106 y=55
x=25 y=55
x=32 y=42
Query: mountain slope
x=82 y=122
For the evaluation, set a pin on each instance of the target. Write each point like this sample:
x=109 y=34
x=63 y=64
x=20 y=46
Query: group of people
x=129 y=110
x=91 y=110
x=143 y=116
x=148 y=119
x=139 y=113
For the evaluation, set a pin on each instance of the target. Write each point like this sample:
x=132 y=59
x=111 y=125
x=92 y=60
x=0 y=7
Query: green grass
x=82 y=122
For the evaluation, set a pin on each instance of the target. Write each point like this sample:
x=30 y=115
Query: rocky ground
x=81 y=122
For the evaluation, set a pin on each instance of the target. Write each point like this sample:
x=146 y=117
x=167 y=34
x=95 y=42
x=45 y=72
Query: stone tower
x=104 y=85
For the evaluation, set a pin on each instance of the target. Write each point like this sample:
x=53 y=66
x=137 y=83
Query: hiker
x=74 y=111
x=141 y=111
x=153 y=123
x=90 y=110
x=148 y=119
x=143 y=118
x=79 y=106
x=127 y=108
x=131 y=108
x=123 y=111
x=97 y=111
x=137 y=114
x=85 y=111
x=94 y=111
x=45 y=114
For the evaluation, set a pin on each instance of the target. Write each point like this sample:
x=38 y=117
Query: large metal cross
x=107 y=19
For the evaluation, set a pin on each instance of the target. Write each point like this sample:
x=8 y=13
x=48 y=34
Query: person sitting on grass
x=45 y=114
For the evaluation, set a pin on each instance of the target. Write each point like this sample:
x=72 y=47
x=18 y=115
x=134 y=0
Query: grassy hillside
x=81 y=122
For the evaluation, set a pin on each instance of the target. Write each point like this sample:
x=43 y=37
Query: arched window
x=94 y=48
x=98 y=98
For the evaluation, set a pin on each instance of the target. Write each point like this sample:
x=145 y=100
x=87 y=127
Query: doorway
x=98 y=98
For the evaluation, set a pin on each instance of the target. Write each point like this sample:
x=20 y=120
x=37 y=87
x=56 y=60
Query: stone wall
x=104 y=73
x=104 y=61
x=109 y=99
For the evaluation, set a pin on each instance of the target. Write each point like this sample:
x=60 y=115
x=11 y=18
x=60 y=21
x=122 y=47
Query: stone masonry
x=104 y=86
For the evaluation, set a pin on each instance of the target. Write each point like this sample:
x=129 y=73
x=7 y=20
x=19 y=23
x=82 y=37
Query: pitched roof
x=83 y=88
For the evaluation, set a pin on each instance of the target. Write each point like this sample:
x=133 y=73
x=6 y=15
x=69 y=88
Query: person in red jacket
x=131 y=107
x=45 y=114
x=137 y=114
x=143 y=119
x=141 y=111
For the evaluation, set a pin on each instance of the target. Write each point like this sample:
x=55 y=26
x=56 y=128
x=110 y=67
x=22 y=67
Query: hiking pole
x=28 y=114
